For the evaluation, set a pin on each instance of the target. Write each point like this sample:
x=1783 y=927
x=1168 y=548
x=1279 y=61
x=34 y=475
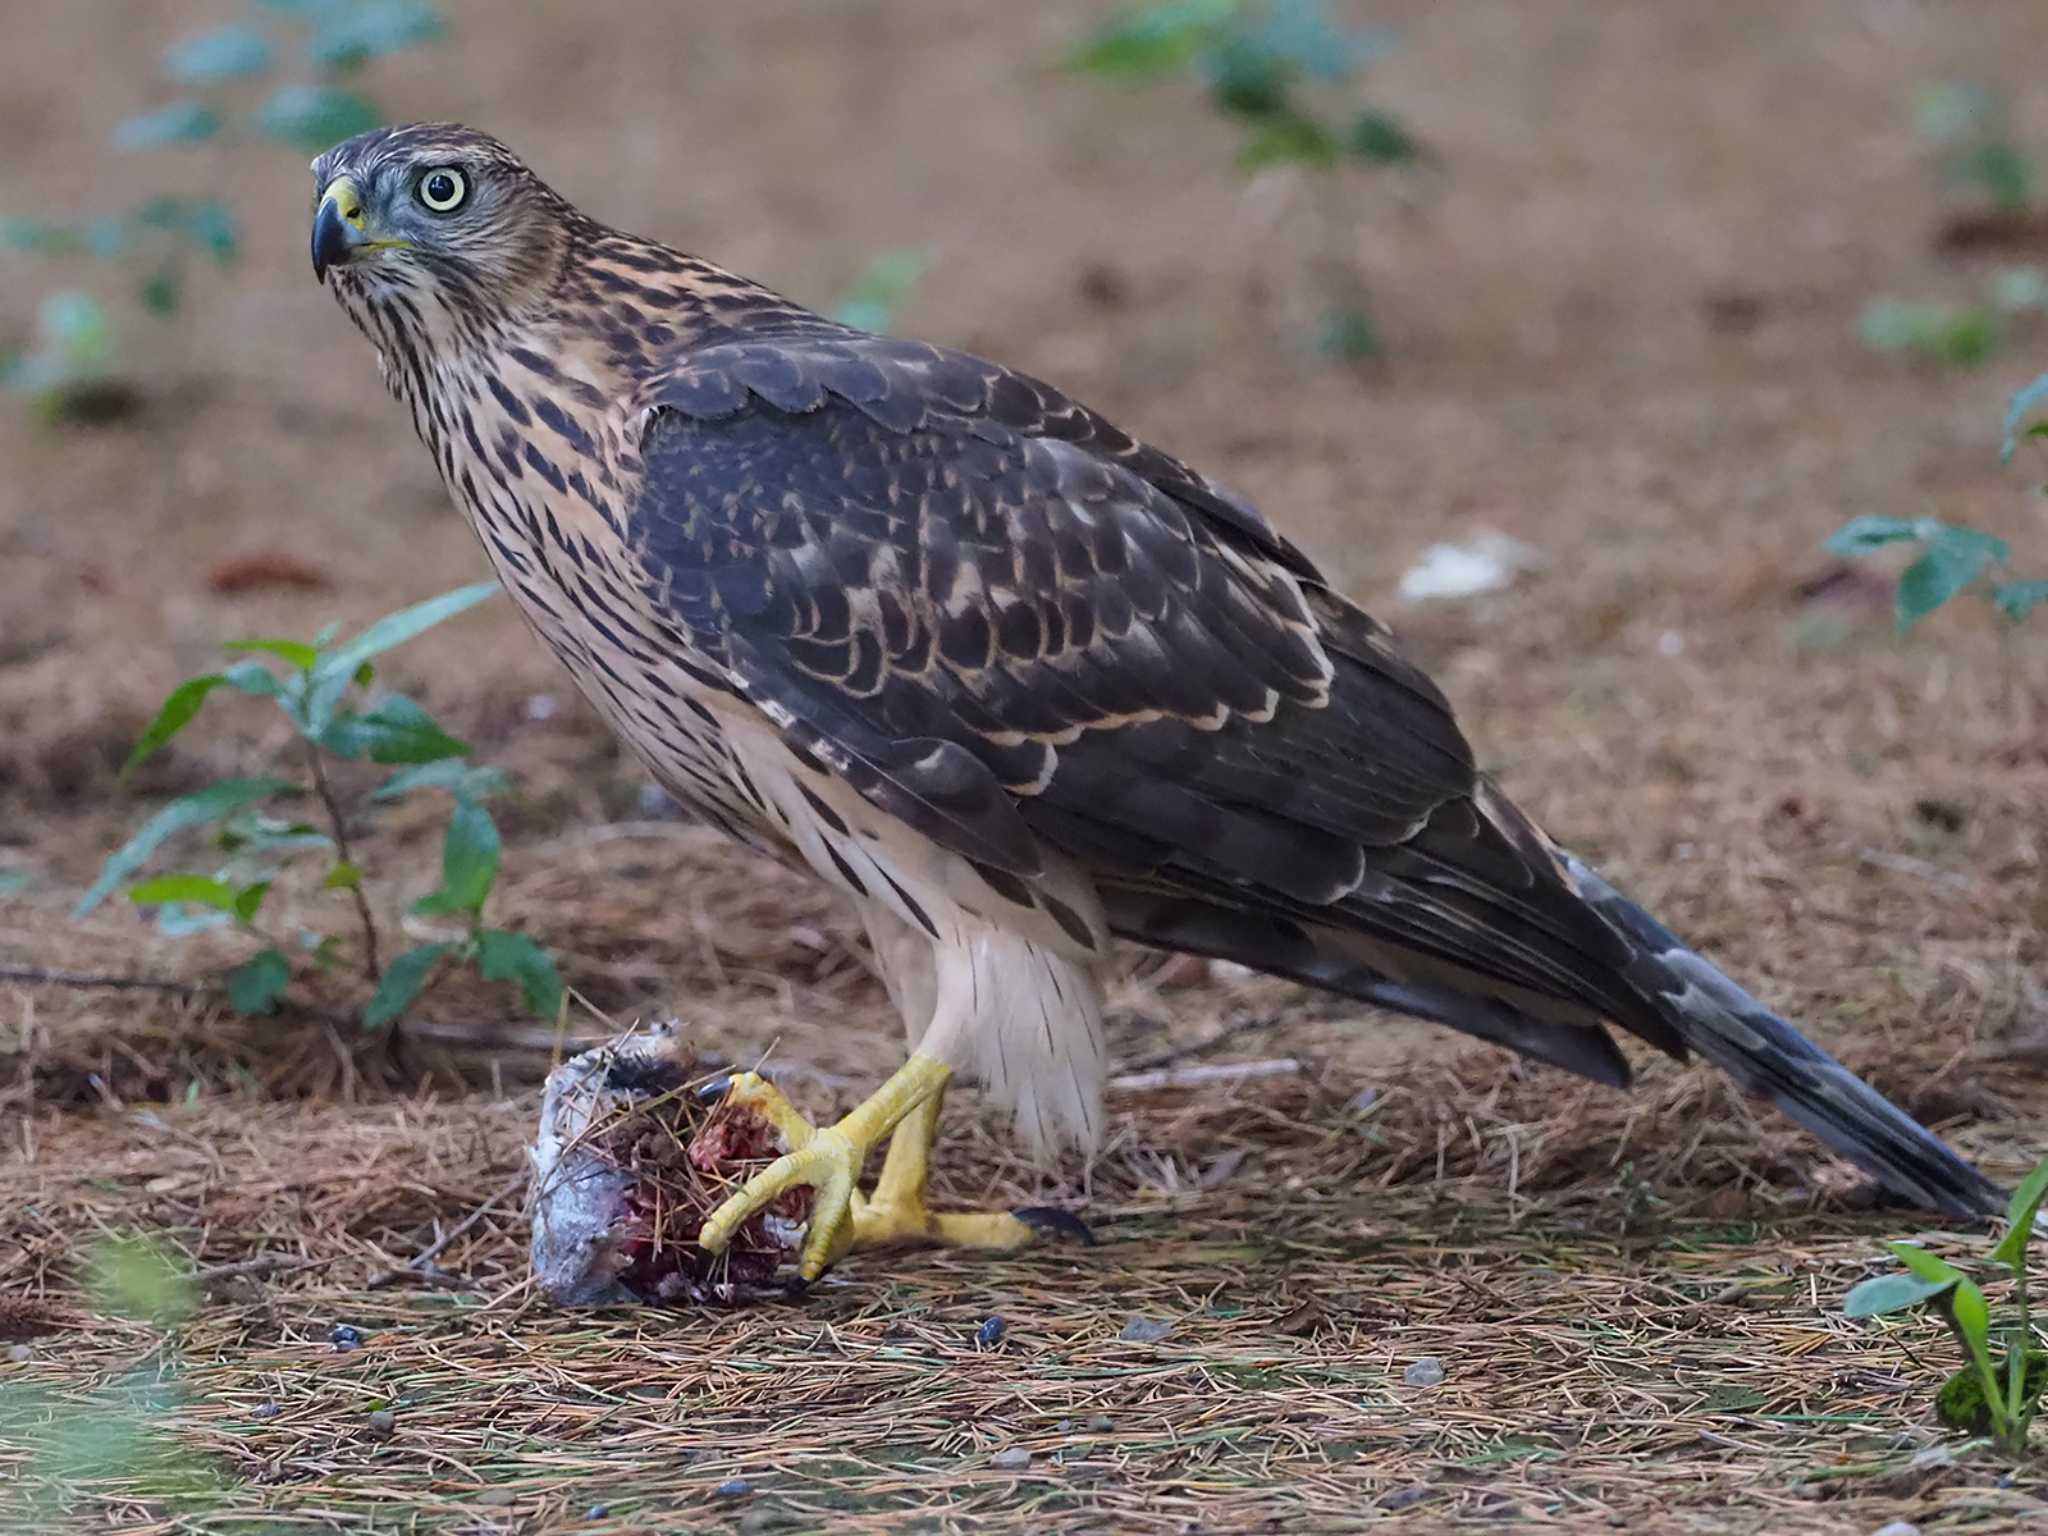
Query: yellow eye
x=443 y=190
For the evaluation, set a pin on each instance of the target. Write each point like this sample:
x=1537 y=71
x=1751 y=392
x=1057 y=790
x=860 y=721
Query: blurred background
x=1630 y=306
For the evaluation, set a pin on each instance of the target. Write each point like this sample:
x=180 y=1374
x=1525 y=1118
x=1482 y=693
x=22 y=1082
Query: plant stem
x=371 y=968
x=2019 y=1352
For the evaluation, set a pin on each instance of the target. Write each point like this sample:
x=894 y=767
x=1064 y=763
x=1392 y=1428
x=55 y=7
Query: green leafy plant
x=1986 y=1396
x=1968 y=127
x=1952 y=560
x=320 y=687
x=112 y=1442
x=156 y=241
x=882 y=288
x=1287 y=73
x=1962 y=335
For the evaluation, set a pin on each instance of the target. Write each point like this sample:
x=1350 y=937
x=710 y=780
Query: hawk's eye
x=443 y=190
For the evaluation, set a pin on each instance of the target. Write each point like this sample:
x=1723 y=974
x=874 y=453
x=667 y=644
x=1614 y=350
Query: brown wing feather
x=1011 y=624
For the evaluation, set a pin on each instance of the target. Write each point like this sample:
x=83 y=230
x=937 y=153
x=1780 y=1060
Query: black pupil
x=440 y=188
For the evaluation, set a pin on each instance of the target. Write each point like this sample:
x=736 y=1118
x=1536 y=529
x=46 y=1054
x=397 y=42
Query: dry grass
x=1618 y=1345
x=1623 y=332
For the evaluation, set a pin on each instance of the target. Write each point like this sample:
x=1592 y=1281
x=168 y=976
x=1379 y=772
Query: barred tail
x=1770 y=1058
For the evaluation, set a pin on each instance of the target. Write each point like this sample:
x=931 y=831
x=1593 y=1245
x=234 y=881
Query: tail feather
x=1660 y=989
x=1770 y=1058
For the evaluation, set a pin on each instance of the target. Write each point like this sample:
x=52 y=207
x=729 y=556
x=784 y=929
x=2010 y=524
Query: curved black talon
x=796 y=1288
x=713 y=1091
x=1051 y=1221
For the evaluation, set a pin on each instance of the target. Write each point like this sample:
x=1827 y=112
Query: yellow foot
x=828 y=1160
x=880 y=1226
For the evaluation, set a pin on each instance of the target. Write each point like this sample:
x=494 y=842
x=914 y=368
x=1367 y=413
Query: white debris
x=1489 y=561
x=1426 y=1372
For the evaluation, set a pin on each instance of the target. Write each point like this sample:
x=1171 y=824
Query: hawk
x=1015 y=682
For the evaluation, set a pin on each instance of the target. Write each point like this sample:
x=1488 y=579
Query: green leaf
x=254 y=679
x=268 y=834
x=2024 y=404
x=227 y=53
x=192 y=888
x=404 y=979
x=503 y=956
x=193 y=810
x=463 y=780
x=1967 y=1306
x=297 y=652
x=343 y=877
x=180 y=707
x=2020 y=1211
x=1955 y=557
x=1967 y=337
x=2017 y=599
x=1896 y=325
x=875 y=296
x=316 y=116
x=1302 y=33
x=396 y=731
x=1287 y=138
x=213 y=228
x=162 y=291
x=395 y=629
x=1379 y=138
x=1860 y=535
x=371 y=30
x=469 y=863
x=136 y=1278
x=1247 y=78
x=2019 y=290
x=1141 y=42
x=41 y=237
x=1890 y=1293
x=1347 y=335
x=2005 y=172
x=255 y=985
x=249 y=901
x=77 y=328
x=1925 y=1264
x=182 y=122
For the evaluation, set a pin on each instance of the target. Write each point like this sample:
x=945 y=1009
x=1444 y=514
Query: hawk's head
x=438 y=220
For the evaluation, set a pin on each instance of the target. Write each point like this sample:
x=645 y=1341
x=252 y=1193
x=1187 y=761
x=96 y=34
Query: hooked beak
x=340 y=228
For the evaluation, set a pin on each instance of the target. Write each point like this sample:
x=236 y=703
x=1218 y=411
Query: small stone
x=990 y=1333
x=734 y=1488
x=1145 y=1330
x=1101 y=1423
x=1401 y=1498
x=1015 y=1459
x=596 y=1512
x=383 y=1422
x=1897 y=1528
x=19 y=1354
x=267 y=1409
x=345 y=1337
x=1426 y=1372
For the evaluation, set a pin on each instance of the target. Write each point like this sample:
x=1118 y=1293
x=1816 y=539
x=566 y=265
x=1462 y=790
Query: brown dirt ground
x=1621 y=329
